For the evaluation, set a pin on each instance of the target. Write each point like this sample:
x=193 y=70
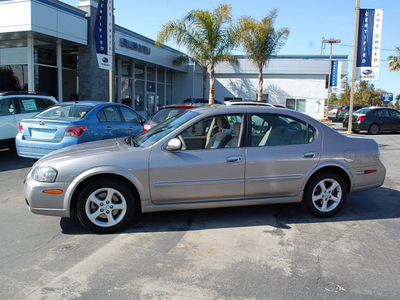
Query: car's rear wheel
x=374 y=129
x=105 y=206
x=325 y=195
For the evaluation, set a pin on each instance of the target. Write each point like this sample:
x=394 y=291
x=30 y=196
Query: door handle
x=309 y=155
x=109 y=128
x=233 y=159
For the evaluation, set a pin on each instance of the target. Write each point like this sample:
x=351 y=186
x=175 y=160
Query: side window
x=394 y=114
x=47 y=103
x=129 y=115
x=278 y=130
x=109 y=114
x=7 y=107
x=29 y=105
x=215 y=132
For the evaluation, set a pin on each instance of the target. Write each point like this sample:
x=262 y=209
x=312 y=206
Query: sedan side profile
x=71 y=123
x=207 y=157
x=374 y=120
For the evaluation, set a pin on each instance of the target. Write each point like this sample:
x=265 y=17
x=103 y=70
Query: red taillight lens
x=146 y=127
x=20 y=128
x=361 y=118
x=341 y=110
x=75 y=131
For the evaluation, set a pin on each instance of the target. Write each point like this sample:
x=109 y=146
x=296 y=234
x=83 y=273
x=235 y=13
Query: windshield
x=166 y=113
x=65 y=112
x=159 y=131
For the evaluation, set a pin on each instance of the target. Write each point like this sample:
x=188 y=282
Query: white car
x=15 y=106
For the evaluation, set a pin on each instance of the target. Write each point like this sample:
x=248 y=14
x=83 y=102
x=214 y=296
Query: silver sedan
x=206 y=157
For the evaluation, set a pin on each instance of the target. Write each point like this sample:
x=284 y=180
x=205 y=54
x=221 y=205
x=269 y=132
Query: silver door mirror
x=173 y=145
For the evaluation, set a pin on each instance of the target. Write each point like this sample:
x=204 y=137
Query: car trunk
x=44 y=130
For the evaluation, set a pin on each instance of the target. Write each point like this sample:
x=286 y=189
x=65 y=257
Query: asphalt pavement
x=260 y=252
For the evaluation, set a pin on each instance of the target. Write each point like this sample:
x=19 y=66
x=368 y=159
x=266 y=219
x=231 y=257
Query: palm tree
x=394 y=64
x=260 y=41
x=208 y=37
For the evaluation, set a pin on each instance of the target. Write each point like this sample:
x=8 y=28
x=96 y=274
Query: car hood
x=90 y=149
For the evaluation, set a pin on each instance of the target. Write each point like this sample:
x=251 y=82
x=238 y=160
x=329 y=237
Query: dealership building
x=48 y=46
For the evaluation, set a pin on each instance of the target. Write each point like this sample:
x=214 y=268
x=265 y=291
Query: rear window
x=75 y=112
x=363 y=110
x=167 y=113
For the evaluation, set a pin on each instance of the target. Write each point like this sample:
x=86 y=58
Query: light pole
x=330 y=41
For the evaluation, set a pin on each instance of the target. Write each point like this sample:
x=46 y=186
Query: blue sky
x=308 y=20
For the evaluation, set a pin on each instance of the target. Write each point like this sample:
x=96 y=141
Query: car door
x=197 y=173
x=111 y=122
x=132 y=121
x=282 y=150
x=8 y=119
x=395 y=116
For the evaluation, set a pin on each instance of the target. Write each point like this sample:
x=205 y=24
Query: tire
x=105 y=206
x=373 y=129
x=325 y=195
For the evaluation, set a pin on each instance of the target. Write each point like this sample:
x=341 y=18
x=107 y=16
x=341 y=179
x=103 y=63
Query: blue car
x=71 y=123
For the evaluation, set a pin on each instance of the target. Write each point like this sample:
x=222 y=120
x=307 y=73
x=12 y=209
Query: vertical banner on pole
x=103 y=34
x=336 y=76
x=369 y=44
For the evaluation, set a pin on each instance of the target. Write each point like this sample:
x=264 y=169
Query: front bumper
x=45 y=204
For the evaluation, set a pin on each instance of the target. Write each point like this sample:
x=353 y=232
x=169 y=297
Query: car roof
x=89 y=103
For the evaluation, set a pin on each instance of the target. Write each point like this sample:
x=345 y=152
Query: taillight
x=20 y=128
x=341 y=110
x=146 y=127
x=75 y=131
x=361 y=118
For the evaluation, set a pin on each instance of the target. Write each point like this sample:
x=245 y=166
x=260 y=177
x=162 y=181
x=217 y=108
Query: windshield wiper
x=130 y=141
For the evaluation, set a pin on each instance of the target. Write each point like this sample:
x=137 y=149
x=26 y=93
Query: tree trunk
x=204 y=84
x=260 y=85
x=212 y=87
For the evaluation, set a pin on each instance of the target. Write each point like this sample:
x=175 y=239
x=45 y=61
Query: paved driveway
x=263 y=252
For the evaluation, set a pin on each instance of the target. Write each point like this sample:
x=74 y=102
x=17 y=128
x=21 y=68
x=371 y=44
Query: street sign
x=387 y=97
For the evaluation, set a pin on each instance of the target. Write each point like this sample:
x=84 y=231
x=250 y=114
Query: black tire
x=325 y=194
x=355 y=130
x=374 y=129
x=105 y=206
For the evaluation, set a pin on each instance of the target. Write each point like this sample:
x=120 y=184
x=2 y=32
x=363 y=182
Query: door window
x=215 y=132
x=7 y=107
x=278 y=130
x=129 y=115
x=109 y=114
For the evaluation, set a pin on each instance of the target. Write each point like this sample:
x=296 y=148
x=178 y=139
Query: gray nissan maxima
x=206 y=157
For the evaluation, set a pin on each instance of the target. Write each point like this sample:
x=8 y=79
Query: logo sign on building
x=369 y=44
x=387 y=97
x=336 y=82
x=103 y=34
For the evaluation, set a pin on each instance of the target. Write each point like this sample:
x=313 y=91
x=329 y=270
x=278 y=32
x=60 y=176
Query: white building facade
x=48 y=46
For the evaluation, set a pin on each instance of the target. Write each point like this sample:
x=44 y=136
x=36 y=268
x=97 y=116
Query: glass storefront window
x=160 y=75
x=160 y=94
x=69 y=85
x=126 y=92
x=151 y=75
x=139 y=95
x=46 y=80
x=169 y=77
x=126 y=69
x=14 y=78
x=139 y=72
x=45 y=56
x=69 y=58
x=169 y=95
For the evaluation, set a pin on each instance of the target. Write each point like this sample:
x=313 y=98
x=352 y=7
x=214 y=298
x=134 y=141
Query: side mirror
x=173 y=145
x=143 y=120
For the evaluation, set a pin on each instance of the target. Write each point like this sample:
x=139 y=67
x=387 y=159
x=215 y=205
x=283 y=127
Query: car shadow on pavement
x=9 y=160
x=376 y=204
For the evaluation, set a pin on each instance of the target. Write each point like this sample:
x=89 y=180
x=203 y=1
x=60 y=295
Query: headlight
x=44 y=174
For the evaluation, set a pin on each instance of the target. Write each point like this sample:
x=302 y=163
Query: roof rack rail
x=13 y=93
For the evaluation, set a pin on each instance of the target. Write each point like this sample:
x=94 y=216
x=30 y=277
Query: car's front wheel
x=105 y=206
x=325 y=195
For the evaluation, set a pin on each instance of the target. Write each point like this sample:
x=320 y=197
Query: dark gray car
x=207 y=157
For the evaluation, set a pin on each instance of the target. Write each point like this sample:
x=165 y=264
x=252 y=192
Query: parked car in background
x=335 y=110
x=15 y=106
x=374 y=120
x=71 y=123
x=257 y=103
x=166 y=112
x=344 y=110
x=206 y=157
x=199 y=101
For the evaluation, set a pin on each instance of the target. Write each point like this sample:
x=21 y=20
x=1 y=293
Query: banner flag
x=336 y=76
x=369 y=44
x=103 y=34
